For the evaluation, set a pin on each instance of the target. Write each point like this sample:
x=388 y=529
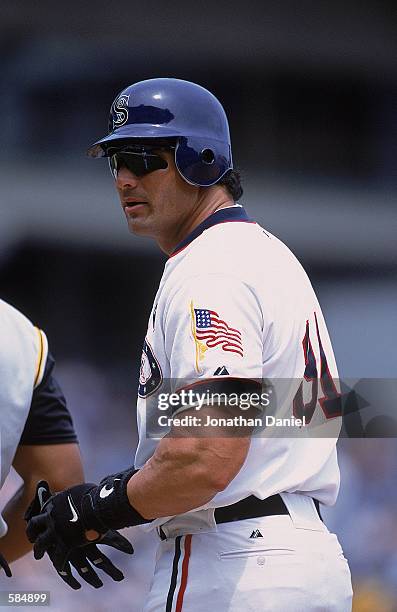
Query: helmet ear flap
x=202 y=162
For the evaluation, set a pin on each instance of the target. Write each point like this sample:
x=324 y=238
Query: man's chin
x=138 y=228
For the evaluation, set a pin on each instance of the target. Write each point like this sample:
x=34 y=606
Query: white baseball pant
x=288 y=563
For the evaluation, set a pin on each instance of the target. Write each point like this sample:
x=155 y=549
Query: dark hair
x=232 y=181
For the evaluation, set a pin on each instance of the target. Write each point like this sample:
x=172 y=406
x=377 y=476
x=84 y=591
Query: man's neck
x=210 y=202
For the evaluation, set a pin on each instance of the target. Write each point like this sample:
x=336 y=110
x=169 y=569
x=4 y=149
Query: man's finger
x=67 y=576
x=5 y=566
x=36 y=526
x=60 y=555
x=79 y=561
x=42 y=543
x=98 y=559
x=114 y=539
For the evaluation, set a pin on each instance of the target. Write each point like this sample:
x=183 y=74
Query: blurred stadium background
x=311 y=93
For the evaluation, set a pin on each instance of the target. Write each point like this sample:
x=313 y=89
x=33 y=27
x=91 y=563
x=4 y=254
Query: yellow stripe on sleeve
x=42 y=357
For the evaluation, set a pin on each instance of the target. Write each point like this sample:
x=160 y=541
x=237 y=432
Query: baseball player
x=235 y=505
x=36 y=437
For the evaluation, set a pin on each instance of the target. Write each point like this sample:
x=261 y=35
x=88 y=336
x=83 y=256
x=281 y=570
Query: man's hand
x=59 y=525
x=5 y=566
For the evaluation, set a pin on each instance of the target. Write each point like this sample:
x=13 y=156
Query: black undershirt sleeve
x=49 y=420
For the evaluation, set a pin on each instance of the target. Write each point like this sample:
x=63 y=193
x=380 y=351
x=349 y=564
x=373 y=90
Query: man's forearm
x=173 y=482
x=167 y=489
x=15 y=543
x=60 y=464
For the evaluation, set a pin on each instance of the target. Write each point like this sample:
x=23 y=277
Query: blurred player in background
x=237 y=515
x=36 y=433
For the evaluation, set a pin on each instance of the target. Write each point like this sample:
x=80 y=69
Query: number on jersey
x=331 y=401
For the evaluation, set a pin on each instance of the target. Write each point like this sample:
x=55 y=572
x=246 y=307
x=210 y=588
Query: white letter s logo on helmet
x=120 y=111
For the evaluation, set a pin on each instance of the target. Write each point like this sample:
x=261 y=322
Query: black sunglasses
x=139 y=160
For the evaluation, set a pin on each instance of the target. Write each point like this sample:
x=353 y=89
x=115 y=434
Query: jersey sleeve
x=213 y=328
x=49 y=420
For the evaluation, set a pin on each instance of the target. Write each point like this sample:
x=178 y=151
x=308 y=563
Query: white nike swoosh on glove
x=74 y=513
x=40 y=494
x=104 y=492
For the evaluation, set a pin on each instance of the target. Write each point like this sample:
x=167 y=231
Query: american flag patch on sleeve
x=214 y=331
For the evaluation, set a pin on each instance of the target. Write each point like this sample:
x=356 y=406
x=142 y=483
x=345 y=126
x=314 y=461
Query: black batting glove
x=57 y=525
x=82 y=560
x=5 y=566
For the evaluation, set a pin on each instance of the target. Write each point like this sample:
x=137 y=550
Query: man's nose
x=125 y=178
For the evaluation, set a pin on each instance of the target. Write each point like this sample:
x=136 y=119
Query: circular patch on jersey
x=150 y=375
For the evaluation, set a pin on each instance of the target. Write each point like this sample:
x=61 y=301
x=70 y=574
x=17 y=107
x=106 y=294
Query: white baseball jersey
x=33 y=409
x=23 y=355
x=234 y=304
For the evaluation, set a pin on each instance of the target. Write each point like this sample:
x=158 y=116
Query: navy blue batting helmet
x=173 y=109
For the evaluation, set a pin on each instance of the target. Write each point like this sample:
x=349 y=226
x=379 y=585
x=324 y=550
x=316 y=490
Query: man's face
x=157 y=204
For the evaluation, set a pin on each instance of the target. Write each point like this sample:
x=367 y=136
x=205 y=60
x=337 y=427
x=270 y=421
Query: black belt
x=250 y=507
